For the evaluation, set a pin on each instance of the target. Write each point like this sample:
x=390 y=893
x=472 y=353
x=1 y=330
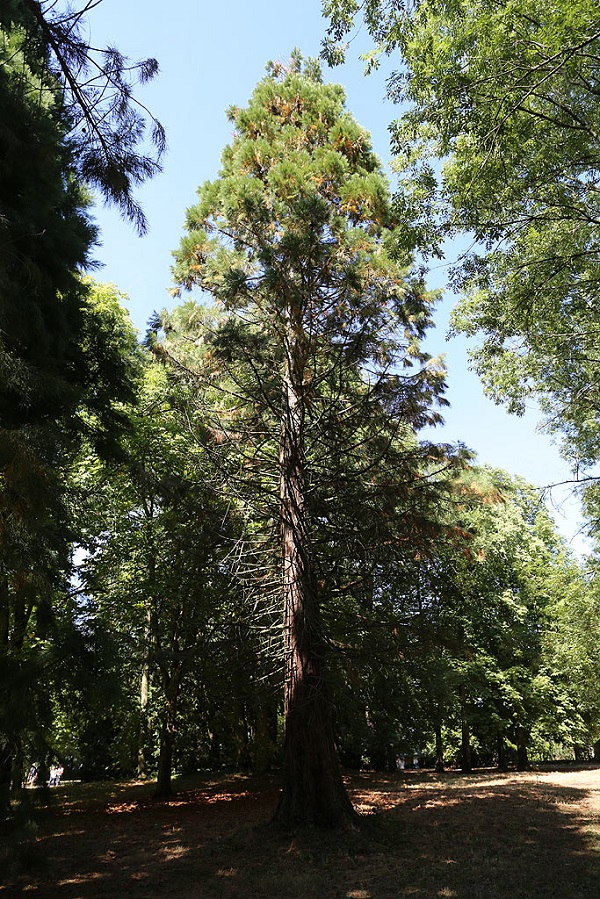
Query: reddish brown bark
x=313 y=789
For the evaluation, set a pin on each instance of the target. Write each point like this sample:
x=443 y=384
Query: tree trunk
x=313 y=789
x=597 y=751
x=439 y=748
x=466 y=762
x=522 y=756
x=502 y=762
x=18 y=765
x=265 y=733
x=164 y=786
x=144 y=693
x=168 y=721
x=6 y=768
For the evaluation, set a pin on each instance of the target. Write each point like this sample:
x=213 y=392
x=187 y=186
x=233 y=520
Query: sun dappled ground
x=483 y=836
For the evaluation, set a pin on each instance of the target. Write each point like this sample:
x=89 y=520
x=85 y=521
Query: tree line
x=230 y=544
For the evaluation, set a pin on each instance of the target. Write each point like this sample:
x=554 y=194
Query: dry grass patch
x=484 y=836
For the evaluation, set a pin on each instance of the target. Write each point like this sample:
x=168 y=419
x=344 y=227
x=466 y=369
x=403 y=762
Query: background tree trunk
x=6 y=767
x=18 y=764
x=164 y=786
x=522 y=756
x=466 y=762
x=439 y=748
x=502 y=762
x=144 y=693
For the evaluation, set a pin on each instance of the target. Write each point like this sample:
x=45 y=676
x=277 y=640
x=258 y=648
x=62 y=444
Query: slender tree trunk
x=597 y=751
x=164 y=785
x=143 y=730
x=265 y=733
x=466 y=762
x=502 y=763
x=168 y=727
x=144 y=694
x=313 y=789
x=439 y=748
x=522 y=756
x=18 y=764
x=6 y=767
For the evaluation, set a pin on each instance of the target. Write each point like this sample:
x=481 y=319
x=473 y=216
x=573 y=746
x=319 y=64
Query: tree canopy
x=115 y=142
x=68 y=358
x=231 y=545
x=504 y=97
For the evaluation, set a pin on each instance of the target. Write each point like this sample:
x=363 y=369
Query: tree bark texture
x=164 y=786
x=18 y=766
x=313 y=789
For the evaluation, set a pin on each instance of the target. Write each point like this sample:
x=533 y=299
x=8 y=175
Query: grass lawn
x=481 y=836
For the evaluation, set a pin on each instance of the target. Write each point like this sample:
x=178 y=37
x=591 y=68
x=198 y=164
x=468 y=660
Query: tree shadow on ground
x=461 y=838
x=490 y=842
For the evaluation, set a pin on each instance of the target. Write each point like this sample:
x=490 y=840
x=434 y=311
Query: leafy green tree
x=321 y=379
x=496 y=614
x=37 y=503
x=572 y=645
x=157 y=533
x=505 y=95
x=61 y=375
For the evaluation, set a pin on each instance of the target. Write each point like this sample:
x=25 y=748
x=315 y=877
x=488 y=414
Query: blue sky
x=211 y=55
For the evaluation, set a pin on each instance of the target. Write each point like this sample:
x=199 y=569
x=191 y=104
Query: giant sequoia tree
x=315 y=371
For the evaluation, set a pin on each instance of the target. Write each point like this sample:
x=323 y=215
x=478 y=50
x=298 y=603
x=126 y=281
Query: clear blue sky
x=211 y=55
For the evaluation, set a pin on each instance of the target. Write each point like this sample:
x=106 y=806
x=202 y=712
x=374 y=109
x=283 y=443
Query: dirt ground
x=427 y=836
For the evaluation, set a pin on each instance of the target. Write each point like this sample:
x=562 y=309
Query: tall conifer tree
x=319 y=354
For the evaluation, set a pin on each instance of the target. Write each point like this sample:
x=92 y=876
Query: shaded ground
x=484 y=836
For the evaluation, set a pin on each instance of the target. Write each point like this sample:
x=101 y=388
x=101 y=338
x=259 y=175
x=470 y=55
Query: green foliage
x=39 y=498
x=93 y=96
x=68 y=357
x=156 y=534
x=298 y=242
x=490 y=616
x=504 y=96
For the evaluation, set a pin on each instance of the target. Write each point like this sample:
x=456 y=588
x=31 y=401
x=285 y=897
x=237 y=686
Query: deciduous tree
x=501 y=128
